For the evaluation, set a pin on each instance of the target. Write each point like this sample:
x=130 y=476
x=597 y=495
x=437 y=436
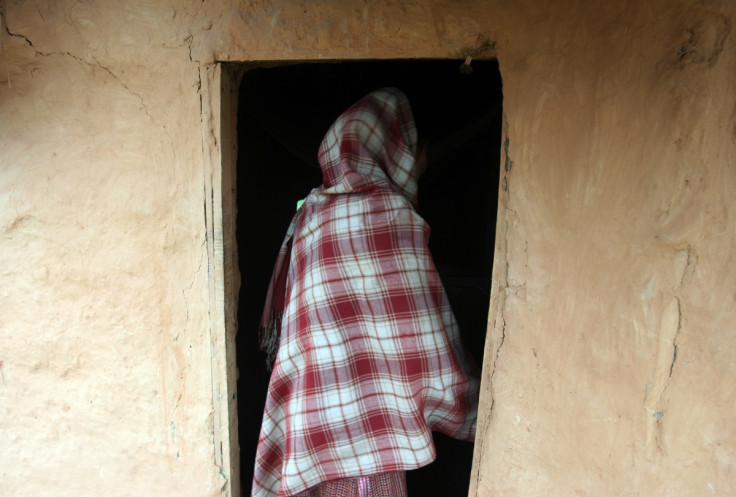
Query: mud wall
x=611 y=339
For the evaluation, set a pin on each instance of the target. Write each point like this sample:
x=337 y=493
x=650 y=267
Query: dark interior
x=283 y=114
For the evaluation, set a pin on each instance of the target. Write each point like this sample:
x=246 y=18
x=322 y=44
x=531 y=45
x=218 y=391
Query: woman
x=367 y=354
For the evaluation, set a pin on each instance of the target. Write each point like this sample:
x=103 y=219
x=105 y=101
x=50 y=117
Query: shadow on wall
x=283 y=114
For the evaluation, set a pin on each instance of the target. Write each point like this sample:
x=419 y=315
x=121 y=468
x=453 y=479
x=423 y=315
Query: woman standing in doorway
x=367 y=353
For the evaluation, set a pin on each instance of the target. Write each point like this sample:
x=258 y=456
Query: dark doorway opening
x=283 y=114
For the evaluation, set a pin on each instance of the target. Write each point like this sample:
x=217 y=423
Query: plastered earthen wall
x=612 y=332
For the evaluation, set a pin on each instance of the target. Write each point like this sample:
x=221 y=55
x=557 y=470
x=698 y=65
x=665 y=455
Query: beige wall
x=609 y=368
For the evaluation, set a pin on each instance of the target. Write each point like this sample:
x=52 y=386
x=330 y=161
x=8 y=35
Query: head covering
x=368 y=359
x=372 y=145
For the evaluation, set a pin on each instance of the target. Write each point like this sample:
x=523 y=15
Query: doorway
x=283 y=114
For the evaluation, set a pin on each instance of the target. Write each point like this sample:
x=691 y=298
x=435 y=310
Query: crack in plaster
x=502 y=296
x=508 y=163
x=94 y=64
x=691 y=260
x=495 y=359
x=668 y=349
x=674 y=340
x=115 y=77
x=189 y=41
x=2 y=46
x=505 y=285
x=199 y=92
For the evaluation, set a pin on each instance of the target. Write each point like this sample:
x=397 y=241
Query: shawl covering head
x=368 y=358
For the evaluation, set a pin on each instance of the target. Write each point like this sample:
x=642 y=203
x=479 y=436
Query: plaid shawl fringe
x=268 y=337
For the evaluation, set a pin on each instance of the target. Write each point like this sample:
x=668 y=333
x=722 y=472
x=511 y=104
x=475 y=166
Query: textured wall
x=614 y=321
x=609 y=365
x=104 y=343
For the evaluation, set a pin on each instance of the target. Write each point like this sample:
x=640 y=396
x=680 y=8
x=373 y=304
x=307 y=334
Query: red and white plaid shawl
x=369 y=358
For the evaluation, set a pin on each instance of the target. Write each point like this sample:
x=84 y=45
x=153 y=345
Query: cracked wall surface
x=105 y=349
x=610 y=347
x=612 y=334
